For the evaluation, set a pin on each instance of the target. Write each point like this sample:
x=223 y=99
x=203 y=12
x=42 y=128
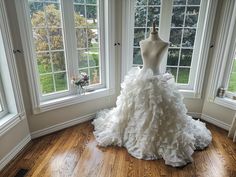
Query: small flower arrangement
x=81 y=81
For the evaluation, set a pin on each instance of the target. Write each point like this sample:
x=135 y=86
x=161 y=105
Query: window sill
x=9 y=121
x=72 y=99
x=226 y=102
x=190 y=94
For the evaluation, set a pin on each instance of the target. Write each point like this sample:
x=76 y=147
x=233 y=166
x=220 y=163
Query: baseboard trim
x=210 y=119
x=216 y=122
x=14 y=152
x=61 y=126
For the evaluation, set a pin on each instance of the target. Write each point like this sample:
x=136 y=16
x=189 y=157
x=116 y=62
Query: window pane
x=178 y=17
x=137 y=57
x=232 y=80
x=175 y=37
x=49 y=44
x=186 y=57
x=1 y=107
x=183 y=75
x=146 y=12
x=87 y=35
x=47 y=85
x=182 y=37
x=139 y=34
x=173 y=57
x=61 y=81
x=44 y=63
x=172 y=71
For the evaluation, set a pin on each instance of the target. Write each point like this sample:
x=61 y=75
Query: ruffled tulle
x=150 y=120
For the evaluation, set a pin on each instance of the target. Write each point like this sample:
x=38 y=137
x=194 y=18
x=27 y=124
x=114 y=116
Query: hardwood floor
x=73 y=152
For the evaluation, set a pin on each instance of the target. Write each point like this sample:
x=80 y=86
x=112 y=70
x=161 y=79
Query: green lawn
x=232 y=81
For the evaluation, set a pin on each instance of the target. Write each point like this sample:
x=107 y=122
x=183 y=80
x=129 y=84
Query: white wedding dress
x=150 y=119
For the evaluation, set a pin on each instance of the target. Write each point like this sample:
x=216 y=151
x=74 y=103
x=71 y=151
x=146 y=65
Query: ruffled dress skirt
x=151 y=121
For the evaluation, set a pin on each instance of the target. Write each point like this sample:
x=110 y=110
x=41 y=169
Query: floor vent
x=21 y=172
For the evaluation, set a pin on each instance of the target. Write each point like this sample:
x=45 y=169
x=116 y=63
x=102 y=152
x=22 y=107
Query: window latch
x=17 y=51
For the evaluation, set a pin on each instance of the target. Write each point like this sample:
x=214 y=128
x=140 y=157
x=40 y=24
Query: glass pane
x=81 y=36
x=46 y=83
x=40 y=39
x=183 y=75
x=91 y=15
x=186 y=57
x=232 y=80
x=94 y=76
x=93 y=56
x=56 y=38
x=139 y=34
x=83 y=71
x=1 y=108
x=178 y=16
x=192 y=10
x=93 y=38
x=175 y=37
x=58 y=61
x=194 y=2
x=141 y=2
x=154 y=2
x=44 y=63
x=173 y=57
x=60 y=81
x=137 y=57
x=172 y=71
x=188 y=37
x=191 y=21
x=83 y=60
x=53 y=14
x=153 y=15
x=140 y=16
x=179 y=2
x=37 y=14
x=79 y=15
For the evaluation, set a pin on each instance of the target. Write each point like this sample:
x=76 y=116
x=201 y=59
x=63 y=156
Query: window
x=63 y=39
x=3 y=106
x=182 y=36
x=232 y=78
x=48 y=39
x=181 y=22
x=145 y=13
x=66 y=38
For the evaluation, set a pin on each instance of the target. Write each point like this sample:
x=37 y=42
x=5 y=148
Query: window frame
x=2 y=100
x=9 y=78
x=224 y=56
x=107 y=50
x=194 y=89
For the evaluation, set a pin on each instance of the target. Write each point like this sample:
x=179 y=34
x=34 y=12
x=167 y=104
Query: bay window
x=182 y=23
x=62 y=40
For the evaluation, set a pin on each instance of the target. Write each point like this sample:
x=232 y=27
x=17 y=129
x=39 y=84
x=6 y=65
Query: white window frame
x=107 y=38
x=224 y=55
x=201 y=46
x=9 y=78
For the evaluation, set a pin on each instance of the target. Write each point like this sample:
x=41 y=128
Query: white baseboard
x=61 y=126
x=210 y=119
x=195 y=114
x=215 y=122
x=5 y=160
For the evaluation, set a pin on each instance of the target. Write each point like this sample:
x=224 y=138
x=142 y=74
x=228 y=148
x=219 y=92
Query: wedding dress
x=151 y=121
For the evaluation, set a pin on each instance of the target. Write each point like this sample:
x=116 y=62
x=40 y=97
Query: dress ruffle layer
x=151 y=121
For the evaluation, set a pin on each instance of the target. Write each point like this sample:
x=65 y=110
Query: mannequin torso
x=152 y=50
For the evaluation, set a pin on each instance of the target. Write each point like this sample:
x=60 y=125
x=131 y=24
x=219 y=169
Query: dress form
x=152 y=50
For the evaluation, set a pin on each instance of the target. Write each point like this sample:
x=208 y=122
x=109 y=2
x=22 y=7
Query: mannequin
x=152 y=50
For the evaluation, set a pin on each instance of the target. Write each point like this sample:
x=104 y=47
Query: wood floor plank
x=74 y=152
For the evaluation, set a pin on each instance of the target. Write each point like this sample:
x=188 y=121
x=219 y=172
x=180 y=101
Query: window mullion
x=165 y=25
x=70 y=39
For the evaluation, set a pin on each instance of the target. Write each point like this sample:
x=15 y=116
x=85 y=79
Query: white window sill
x=226 y=102
x=72 y=99
x=190 y=94
x=9 y=121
